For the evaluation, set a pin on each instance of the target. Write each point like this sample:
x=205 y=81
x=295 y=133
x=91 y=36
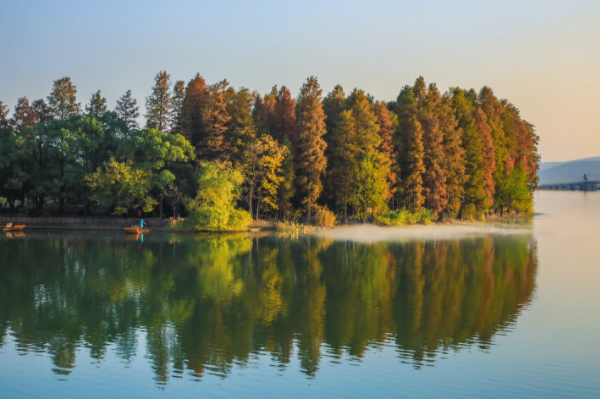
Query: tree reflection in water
x=205 y=304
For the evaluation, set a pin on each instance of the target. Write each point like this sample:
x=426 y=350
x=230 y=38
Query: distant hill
x=571 y=171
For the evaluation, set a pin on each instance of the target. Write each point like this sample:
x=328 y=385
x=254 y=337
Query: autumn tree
x=387 y=122
x=128 y=111
x=24 y=115
x=342 y=156
x=159 y=104
x=310 y=128
x=282 y=118
x=191 y=124
x=262 y=161
x=241 y=129
x=63 y=99
x=213 y=143
x=97 y=106
x=415 y=168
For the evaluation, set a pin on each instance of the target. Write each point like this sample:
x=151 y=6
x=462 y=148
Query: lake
x=504 y=309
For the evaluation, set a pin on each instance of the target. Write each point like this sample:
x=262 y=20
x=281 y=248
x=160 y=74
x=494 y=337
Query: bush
x=324 y=217
x=403 y=217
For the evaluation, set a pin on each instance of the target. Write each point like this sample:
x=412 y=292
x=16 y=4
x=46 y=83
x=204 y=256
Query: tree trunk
x=161 y=207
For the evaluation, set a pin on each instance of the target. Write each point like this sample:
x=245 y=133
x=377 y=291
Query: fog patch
x=371 y=233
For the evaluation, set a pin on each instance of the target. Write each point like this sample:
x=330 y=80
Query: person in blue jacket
x=142 y=223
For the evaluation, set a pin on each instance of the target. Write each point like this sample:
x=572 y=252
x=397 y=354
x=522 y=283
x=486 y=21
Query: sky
x=543 y=56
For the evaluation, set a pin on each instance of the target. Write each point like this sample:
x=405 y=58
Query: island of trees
x=223 y=156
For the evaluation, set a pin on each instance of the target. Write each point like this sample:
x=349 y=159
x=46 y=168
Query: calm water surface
x=491 y=310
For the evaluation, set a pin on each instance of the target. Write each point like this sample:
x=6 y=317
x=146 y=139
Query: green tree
x=178 y=95
x=4 y=120
x=310 y=128
x=262 y=162
x=372 y=190
x=159 y=104
x=128 y=111
x=120 y=187
x=241 y=130
x=43 y=112
x=214 y=209
x=63 y=99
x=97 y=106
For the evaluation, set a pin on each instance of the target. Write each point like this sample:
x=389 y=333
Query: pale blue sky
x=544 y=56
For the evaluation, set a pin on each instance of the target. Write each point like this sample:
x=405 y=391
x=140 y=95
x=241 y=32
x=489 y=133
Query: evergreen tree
x=333 y=105
x=282 y=119
x=191 y=121
x=42 y=112
x=413 y=182
x=387 y=122
x=97 y=106
x=406 y=107
x=493 y=110
x=4 y=121
x=434 y=176
x=488 y=155
x=63 y=99
x=454 y=162
x=241 y=130
x=128 y=111
x=213 y=144
x=260 y=114
x=310 y=128
x=343 y=155
x=24 y=115
x=159 y=104
x=178 y=95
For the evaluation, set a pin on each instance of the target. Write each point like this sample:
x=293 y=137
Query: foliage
x=119 y=187
x=159 y=104
x=404 y=217
x=214 y=209
x=63 y=99
x=128 y=111
x=324 y=217
x=310 y=128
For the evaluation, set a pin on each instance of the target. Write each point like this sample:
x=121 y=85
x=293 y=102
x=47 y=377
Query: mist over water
x=368 y=233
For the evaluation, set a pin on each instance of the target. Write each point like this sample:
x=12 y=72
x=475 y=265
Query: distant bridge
x=584 y=185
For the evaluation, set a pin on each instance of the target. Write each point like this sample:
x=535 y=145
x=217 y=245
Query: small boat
x=136 y=230
x=10 y=227
x=254 y=230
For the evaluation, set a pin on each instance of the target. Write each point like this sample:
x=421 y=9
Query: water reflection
x=204 y=304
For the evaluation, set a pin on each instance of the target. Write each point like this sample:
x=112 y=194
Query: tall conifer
x=191 y=124
x=128 y=111
x=283 y=117
x=178 y=95
x=213 y=144
x=63 y=99
x=97 y=105
x=24 y=115
x=159 y=104
x=4 y=111
x=310 y=128
x=413 y=181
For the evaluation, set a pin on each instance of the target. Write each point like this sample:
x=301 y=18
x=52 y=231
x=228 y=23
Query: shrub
x=324 y=217
x=403 y=217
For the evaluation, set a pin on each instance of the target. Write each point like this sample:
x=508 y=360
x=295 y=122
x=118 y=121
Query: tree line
x=209 y=148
